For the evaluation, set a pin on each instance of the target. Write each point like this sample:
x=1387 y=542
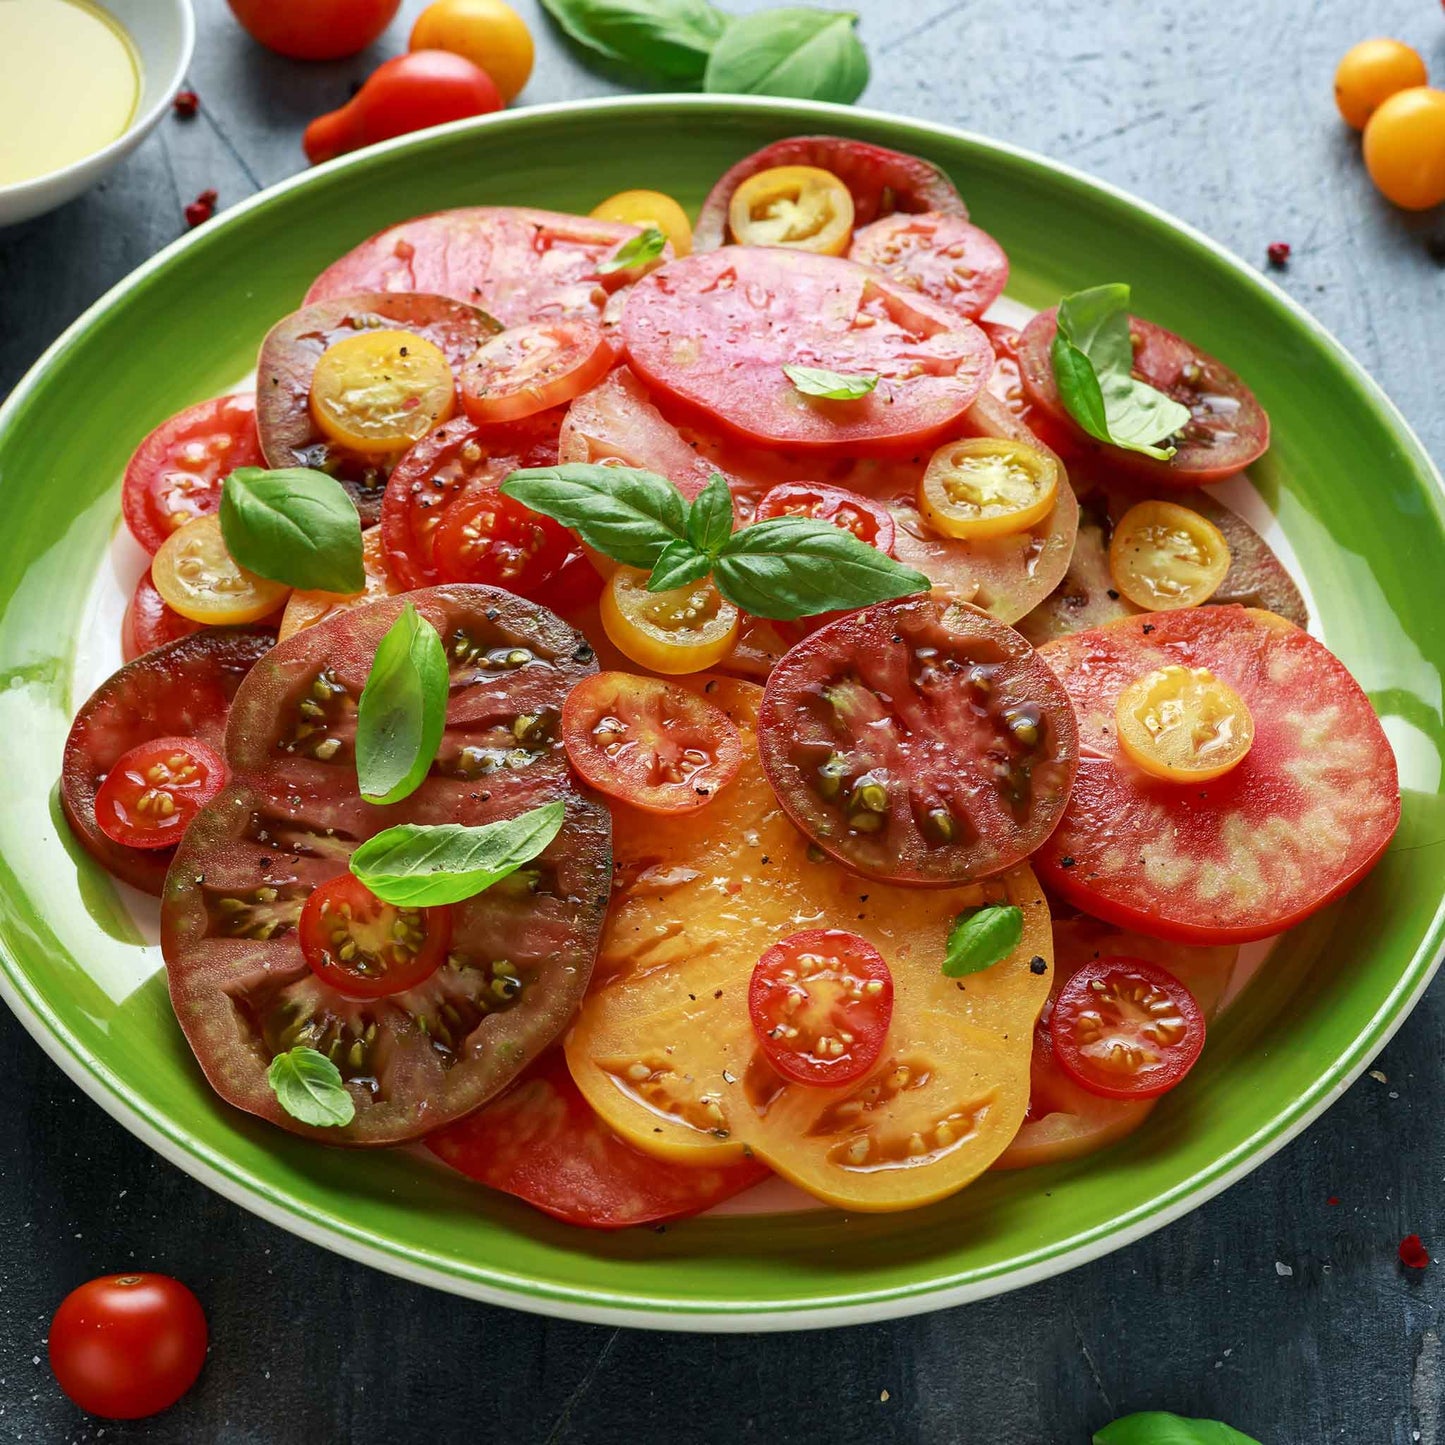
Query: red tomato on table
x=314 y=29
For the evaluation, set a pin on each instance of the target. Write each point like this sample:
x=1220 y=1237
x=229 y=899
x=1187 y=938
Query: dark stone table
x=1225 y=118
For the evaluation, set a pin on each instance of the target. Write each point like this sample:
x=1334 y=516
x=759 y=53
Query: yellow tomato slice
x=686 y=629
x=987 y=487
x=306 y=609
x=1183 y=724
x=197 y=576
x=1164 y=556
x=379 y=391
x=649 y=208
x=664 y=1050
x=799 y=206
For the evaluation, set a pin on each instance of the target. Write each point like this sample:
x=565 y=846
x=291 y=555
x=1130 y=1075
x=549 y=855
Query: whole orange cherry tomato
x=411 y=92
x=1405 y=148
x=1370 y=73
x=314 y=29
x=488 y=32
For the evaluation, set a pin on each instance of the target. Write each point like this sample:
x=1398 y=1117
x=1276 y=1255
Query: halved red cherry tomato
x=177 y=471
x=820 y=1003
x=152 y=792
x=941 y=256
x=365 y=947
x=489 y=538
x=528 y=369
x=868 y=521
x=651 y=743
x=579 y=584
x=150 y=621
x=1126 y=1029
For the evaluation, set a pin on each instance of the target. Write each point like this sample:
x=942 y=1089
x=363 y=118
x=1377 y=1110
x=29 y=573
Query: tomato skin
x=867 y=520
x=125 y=1346
x=315 y=29
x=529 y=369
x=153 y=791
x=489 y=33
x=373 y=972
x=150 y=621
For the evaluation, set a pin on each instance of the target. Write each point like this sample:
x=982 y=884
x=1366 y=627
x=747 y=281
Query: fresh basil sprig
x=403 y=710
x=672 y=38
x=808 y=54
x=1093 y=362
x=418 y=866
x=783 y=568
x=1158 y=1427
x=647 y=245
x=831 y=385
x=981 y=937
x=308 y=1086
x=294 y=526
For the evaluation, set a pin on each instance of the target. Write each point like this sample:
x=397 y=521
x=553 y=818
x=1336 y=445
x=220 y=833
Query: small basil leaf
x=1079 y=386
x=419 y=866
x=672 y=38
x=1096 y=320
x=832 y=385
x=637 y=250
x=1158 y=1427
x=308 y=1086
x=403 y=710
x=789 y=567
x=982 y=937
x=809 y=54
x=294 y=526
x=627 y=514
x=679 y=564
x=710 y=518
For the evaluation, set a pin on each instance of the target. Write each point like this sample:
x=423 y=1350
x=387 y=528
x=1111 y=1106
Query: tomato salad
x=641 y=711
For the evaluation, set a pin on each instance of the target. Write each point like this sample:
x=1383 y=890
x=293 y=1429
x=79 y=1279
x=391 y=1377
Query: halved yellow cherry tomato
x=1405 y=148
x=649 y=208
x=1183 y=724
x=1164 y=556
x=799 y=206
x=686 y=629
x=379 y=391
x=195 y=573
x=987 y=487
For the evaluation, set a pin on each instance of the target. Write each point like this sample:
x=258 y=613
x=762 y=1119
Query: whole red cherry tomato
x=314 y=29
x=411 y=92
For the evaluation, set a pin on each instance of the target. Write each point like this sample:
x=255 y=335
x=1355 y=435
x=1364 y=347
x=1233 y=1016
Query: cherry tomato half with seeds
x=1126 y=1029
x=820 y=1003
x=684 y=629
x=804 y=207
x=151 y=794
x=868 y=521
x=528 y=369
x=366 y=947
x=487 y=537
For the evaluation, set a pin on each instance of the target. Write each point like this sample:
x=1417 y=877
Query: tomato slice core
x=489 y=538
x=151 y=794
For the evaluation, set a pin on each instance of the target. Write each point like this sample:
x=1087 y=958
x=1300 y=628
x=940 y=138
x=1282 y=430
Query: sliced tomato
x=177 y=471
x=1004 y=381
x=150 y=621
x=1228 y=428
x=364 y=947
x=867 y=520
x=306 y=609
x=919 y=742
x=577 y=585
x=152 y=792
x=181 y=688
x=1298 y=822
x=714 y=332
x=938 y=254
x=660 y=747
x=532 y=368
x=488 y=537
x=879 y=180
x=543 y=1143
x=516 y=263
x=681 y=630
x=520 y=953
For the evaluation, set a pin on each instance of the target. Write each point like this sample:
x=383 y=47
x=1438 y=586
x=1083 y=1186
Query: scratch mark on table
x=1088 y=1360
x=583 y=1386
x=923 y=27
x=220 y=133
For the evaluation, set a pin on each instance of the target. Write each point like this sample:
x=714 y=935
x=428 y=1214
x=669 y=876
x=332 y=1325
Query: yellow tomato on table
x=1405 y=148
x=489 y=33
x=1370 y=73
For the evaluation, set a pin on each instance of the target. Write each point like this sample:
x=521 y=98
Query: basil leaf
x=294 y=526
x=308 y=1086
x=789 y=567
x=832 y=385
x=403 y=710
x=809 y=54
x=982 y=937
x=672 y=38
x=637 y=250
x=710 y=518
x=1158 y=1427
x=416 y=866
x=630 y=515
x=679 y=564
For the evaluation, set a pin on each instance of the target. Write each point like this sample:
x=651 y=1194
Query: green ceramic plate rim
x=630 y=1309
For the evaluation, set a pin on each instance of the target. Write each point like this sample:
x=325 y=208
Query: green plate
x=1352 y=491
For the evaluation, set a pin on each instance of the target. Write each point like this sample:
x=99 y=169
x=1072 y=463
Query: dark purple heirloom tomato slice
x=881 y=181
x=1297 y=821
x=1228 y=427
x=919 y=742
x=182 y=689
x=517 y=264
x=941 y=256
x=519 y=955
x=542 y=1142
x=290 y=436
x=715 y=331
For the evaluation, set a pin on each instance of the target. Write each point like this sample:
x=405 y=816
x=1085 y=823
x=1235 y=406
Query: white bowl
x=164 y=34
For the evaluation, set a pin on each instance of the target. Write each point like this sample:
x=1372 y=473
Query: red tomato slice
x=714 y=332
x=650 y=743
x=577 y=585
x=365 y=947
x=153 y=791
x=880 y=181
x=532 y=368
x=868 y=521
x=177 y=471
x=1229 y=429
x=542 y=1143
x=1004 y=380
x=517 y=264
x=150 y=621
x=820 y=1003
x=487 y=537
x=1299 y=821
x=939 y=255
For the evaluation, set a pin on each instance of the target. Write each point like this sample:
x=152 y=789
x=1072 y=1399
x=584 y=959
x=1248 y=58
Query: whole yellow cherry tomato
x=1405 y=148
x=195 y=573
x=379 y=391
x=687 y=629
x=799 y=206
x=489 y=33
x=1163 y=556
x=987 y=487
x=1370 y=73
x=650 y=208
x=1183 y=724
